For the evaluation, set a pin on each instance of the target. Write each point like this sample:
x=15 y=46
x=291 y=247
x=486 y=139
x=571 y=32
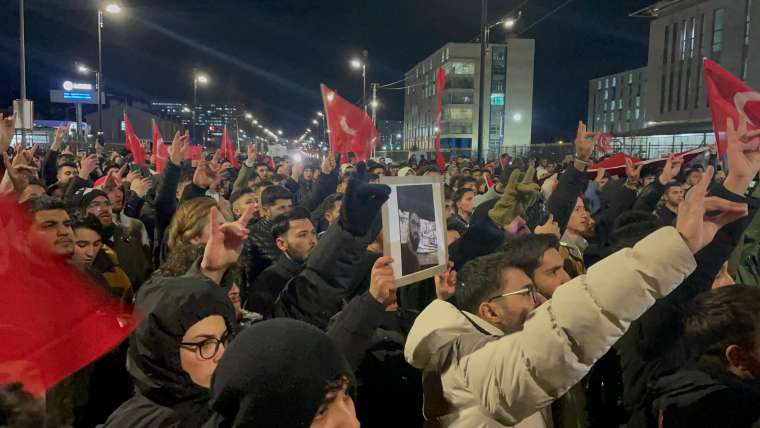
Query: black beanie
x=84 y=196
x=275 y=374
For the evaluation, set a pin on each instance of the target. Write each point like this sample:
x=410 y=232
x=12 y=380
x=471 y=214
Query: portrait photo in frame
x=414 y=228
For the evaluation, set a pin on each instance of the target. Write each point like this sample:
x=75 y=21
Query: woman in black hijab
x=173 y=353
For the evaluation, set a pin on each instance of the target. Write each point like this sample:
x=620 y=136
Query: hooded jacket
x=701 y=397
x=474 y=376
x=165 y=394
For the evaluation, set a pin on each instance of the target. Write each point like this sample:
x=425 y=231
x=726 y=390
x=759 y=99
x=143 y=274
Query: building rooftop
x=656 y=9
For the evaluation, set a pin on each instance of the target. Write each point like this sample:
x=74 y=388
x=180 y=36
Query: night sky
x=271 y=55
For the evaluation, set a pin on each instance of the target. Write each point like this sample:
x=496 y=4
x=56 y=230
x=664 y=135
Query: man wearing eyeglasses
x=504 y=354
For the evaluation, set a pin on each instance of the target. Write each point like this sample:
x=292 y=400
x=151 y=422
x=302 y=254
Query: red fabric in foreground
x=53 y=319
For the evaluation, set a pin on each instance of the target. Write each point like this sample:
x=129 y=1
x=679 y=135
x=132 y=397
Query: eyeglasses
x=208 y=348
x=531 y=290
x=100 y=205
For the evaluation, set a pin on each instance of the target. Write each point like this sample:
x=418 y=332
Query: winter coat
x=665 y=216
x=372 y=340
x=165 y=395
x=326 y=283
x=701 y=397
x=653 y=346
x=260 y=251
x=270 y=283
x=475 y=376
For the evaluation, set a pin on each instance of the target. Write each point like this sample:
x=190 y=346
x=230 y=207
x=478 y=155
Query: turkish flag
x=615 y=164
x=730 y=98
x=133 y=143
x=160 y=150
x=351 y=129
x=54 y=319
x=228 y=152
x=440 y=84
x=194 y=153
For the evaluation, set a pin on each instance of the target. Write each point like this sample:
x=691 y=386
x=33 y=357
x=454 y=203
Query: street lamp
x=485 y=30
x=203 y=80
x=357 y=64
x=111 y=8
x=248 y=116
x=314 y=121
x=279 y=132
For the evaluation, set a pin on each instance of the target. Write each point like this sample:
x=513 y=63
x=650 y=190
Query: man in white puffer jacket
x=504 y=357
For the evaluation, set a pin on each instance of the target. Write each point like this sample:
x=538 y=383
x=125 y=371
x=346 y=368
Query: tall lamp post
x=485 y=31
x=362 y=64
x=203 y=80
x=111 y=8
x=324 y=126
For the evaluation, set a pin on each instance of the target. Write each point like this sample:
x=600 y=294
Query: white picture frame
x=414 y=228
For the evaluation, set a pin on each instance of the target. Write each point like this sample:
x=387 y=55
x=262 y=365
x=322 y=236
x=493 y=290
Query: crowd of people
x=263 y=298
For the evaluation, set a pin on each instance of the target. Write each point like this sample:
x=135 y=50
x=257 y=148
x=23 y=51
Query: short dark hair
x=670 y=184
x=278 y=177
x=458 y=195
x=527 y=252
x=448 y=194
x=272 y=194
x=281 y=223
x=237 y=194
x=20 y=409
x=258 y=164
x=467 y=179
x=87 y=221
x=44 y=203
x=722 y=317
x=330 y=202
x=479 y=280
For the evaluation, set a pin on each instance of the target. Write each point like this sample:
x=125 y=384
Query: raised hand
x=633 y=172
x=252 y=153
x=88 y=165
x=382 y=284
x=696 y=229
x=225 y=243
x=551 y=227
x=7 y=126
x=60 y=133
x=743 y=165
x=584 y=142
x=328 y=165
x=207 y=172
x=141 y=186
x=446 y=283
x=671 y=170
x=132 y=176
x=599 y=175
x=180 y=146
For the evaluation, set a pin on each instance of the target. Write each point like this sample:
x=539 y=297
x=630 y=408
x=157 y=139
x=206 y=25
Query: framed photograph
x=414 y=228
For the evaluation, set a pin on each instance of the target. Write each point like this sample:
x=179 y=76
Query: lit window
x=717 y=38
x=599 y=84
x=614 y=82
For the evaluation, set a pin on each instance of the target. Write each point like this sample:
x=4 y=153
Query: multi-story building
x=507 y=117
x=391 y=134
x=616 y=102
x=682 y=33
x=209 y=118
x=673 y=107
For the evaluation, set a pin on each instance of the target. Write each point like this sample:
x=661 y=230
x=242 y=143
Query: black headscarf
x=275 y=374
x=170 y=306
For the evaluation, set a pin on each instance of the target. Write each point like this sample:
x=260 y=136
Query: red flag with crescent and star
x=351 y=129
x=160 y=150
x=133 y=143
x=730 y=98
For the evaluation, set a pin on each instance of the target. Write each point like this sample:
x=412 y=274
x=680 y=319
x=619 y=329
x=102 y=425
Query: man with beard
x=295 y=237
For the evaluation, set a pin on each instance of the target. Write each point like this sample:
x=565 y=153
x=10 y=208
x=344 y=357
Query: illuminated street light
x=517 y=117
x=374 y=103
x=201 y=78
x=279 y=132
x=83 y=68
x=355 y=63
x=255 y=122
x=248 y=116
x=314 y=121
x=320 y=114
x=113 y=8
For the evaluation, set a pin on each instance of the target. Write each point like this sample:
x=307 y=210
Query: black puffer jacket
x=165 y=394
